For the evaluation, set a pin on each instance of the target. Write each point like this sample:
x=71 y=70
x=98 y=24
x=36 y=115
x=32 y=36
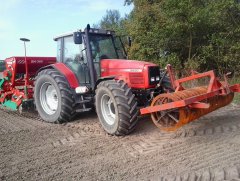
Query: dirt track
x=208 y=149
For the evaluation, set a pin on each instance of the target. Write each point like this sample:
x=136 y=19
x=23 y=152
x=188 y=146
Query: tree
x=144 y=26
x=200 y=34
x=128 y=2
x=112 y=21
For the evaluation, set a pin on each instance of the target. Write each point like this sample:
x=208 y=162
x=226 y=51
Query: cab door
x=74 y=56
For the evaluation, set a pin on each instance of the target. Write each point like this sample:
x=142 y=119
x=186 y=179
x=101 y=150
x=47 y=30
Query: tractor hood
x=112 y=65
x=136 y=74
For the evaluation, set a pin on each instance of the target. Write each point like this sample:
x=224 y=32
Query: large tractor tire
x=116 y=107
x=53 y=97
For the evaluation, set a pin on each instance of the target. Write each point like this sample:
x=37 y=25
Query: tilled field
x=208 y=149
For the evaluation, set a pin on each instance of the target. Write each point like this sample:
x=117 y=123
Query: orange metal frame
x=215 y=88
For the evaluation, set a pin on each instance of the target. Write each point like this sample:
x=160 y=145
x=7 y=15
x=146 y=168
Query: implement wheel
x=166 y=120
x=53 y=97
x=116 y=107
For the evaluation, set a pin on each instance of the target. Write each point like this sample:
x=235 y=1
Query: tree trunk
x=190 y=46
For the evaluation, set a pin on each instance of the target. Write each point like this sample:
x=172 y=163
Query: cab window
x=74 y=56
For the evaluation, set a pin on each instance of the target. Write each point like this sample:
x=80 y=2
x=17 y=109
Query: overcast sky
x=41 y=20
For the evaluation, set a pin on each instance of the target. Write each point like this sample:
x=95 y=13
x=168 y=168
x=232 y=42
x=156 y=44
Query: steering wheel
x=103 y=57
x=69 y=60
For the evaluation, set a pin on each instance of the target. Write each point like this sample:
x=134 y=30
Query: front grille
x=136 y=78
x=154 y=75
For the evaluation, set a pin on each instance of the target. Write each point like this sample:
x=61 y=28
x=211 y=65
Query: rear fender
x=65 y=71
x=46 y=67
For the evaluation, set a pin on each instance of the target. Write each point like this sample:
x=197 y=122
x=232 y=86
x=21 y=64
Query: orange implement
x=172 y=110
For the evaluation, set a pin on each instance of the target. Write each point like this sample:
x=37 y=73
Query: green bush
x=235 y=80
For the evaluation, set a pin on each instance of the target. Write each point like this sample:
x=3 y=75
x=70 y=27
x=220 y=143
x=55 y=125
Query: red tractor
x=92 y=71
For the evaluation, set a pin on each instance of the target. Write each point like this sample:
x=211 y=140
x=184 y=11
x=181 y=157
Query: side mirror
x=129 y=41
x=77 y=37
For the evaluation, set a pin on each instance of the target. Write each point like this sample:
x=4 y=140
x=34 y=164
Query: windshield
x=105 y=47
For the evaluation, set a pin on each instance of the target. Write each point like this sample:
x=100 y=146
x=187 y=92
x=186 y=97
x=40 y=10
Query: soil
x=207 y=149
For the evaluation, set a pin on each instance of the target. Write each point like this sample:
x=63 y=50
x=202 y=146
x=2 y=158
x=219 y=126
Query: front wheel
x=116 y=107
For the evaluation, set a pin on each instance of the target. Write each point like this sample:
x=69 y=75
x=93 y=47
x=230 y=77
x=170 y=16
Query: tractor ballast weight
x=15 y=88
x=170 y=111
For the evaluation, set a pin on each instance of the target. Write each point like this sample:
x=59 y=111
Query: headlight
x=152 y=79
x=154 y=75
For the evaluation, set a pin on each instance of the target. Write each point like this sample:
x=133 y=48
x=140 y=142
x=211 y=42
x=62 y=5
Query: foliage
x=200 y=34
x=112 y=21
x=189 y=34
x=232 y=81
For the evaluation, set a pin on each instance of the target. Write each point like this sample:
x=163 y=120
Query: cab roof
x=92 y=30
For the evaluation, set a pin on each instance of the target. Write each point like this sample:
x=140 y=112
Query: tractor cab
x=82 y=52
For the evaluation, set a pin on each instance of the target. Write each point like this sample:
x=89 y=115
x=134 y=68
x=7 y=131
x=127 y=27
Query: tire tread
x=126 y=103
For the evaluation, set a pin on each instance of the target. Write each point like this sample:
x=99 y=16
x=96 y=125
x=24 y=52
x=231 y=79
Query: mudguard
x=65 y=71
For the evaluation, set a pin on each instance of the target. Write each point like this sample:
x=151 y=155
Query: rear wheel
x=116 y=107
x=53 y=97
